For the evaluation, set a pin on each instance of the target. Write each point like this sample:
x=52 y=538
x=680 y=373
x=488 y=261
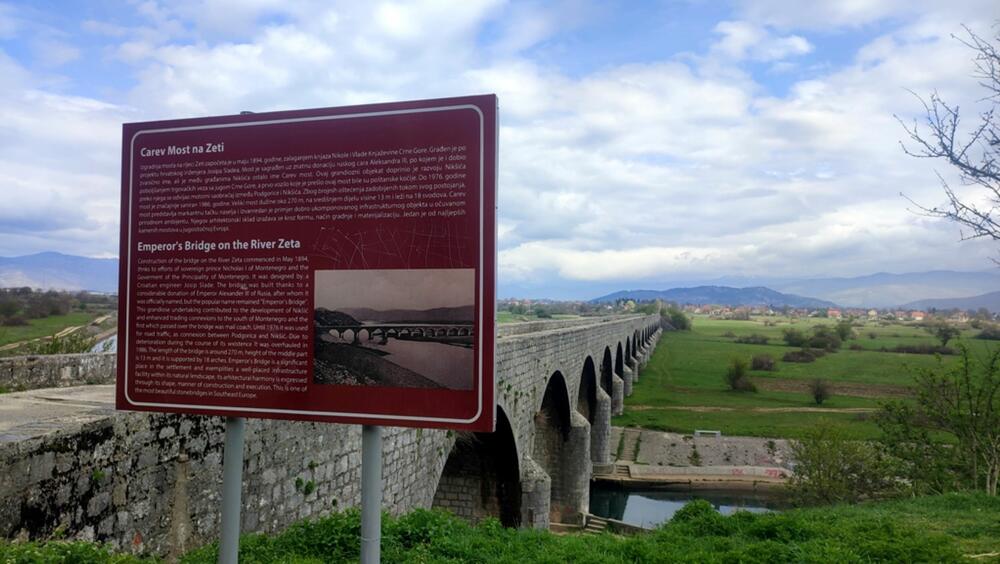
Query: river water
x=649 y=508
x=448 y=365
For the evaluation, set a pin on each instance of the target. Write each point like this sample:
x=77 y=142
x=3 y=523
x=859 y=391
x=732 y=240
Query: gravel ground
x=673 y=449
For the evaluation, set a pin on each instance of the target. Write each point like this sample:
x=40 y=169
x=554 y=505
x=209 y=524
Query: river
x=649 y=508
x=448 y=365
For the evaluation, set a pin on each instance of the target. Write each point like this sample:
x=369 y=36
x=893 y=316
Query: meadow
x=46 y=326
x=682 y=388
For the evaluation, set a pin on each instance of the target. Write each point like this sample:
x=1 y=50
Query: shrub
x=737 y=378
x=820 y=390
x=754 y=339
x=794 y=337
x=923 y=349
x=990 y=332
x=762 y=362
x=872 y=335
x=804 y=355
x=729 y=335
x=856 y=347
x=14 y=320
x=824 y=338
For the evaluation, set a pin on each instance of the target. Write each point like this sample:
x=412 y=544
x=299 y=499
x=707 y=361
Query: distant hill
x=721 y=295
x=990 y=301
x=461 y=314
x=324 y=316
x=59 y=272
x=890 y=290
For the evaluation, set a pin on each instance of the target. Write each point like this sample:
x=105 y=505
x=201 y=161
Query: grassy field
x=682 y=388
x=46 y=326
x=948 y=528
x=508 y=317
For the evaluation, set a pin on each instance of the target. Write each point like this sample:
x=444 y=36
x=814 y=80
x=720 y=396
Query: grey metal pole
x=232 y=490
x=371 y=494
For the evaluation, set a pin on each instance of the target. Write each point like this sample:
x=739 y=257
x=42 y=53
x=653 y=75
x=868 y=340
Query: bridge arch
x=619 y=360
x=629 y=352
x=595 y=406
x=562 y=449
x=607 y=371
x=482 y=476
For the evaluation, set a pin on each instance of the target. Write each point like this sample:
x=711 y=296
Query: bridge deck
x=36 y=413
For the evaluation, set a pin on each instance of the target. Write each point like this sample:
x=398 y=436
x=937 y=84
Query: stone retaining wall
x=56 y=371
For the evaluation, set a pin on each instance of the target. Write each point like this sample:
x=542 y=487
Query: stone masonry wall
x=151 y=483
x=56 y=371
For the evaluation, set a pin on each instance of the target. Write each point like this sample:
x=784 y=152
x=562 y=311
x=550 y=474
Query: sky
x=641 y=143
x=425 y=288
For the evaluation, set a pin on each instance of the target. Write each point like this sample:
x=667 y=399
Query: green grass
x=45 y=326
x=946 y=528
x=687 y=370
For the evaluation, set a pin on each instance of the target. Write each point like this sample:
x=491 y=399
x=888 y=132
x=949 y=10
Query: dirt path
x=711 y=409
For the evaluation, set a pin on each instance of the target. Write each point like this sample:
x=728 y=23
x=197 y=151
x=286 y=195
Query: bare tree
x=976 y=154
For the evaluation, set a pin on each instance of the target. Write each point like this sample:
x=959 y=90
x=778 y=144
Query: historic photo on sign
x=398 y=328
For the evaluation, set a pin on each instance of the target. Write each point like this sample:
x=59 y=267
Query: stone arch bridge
x=150 y=483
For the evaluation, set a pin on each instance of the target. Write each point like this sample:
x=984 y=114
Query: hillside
x=57 y=271
x=721 y=295
x=890 y=290
x=990 y=301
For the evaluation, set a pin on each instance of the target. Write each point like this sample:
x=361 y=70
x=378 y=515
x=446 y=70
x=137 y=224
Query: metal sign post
x=371 y=494
x=232 y=490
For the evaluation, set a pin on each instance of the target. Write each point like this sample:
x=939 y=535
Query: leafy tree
x=830 y=468
x=794 y=337
x=962 y=401
x=824 y=338
x=844 y=329
x=975 y=155
x=676 y=318
x=819 y=389
x=942 y=331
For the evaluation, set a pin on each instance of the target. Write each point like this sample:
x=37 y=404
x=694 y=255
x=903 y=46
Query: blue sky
x=642 y=143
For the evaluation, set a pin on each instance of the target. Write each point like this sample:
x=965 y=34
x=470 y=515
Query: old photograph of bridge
x=410 y=328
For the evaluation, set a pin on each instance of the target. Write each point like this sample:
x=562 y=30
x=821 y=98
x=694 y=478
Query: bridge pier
x=617 y=395
x=572 y=499
x=600 y=430
x=627 y=378
x=536 y=495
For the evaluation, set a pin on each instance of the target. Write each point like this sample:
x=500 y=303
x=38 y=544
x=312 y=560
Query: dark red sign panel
x=334 y=264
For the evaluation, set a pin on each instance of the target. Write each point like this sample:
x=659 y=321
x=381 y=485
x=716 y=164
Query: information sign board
x=331 y=264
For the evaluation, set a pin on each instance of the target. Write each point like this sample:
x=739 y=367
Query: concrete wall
x=151 y=483
x=56 y=371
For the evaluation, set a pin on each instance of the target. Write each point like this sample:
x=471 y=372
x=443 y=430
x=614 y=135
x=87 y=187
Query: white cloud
x=652 y=169
x=745 y=40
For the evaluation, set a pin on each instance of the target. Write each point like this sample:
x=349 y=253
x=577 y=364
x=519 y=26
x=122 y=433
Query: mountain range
x=60 y=272
x=52 y=270
x=990 y=301
x=720 y=295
